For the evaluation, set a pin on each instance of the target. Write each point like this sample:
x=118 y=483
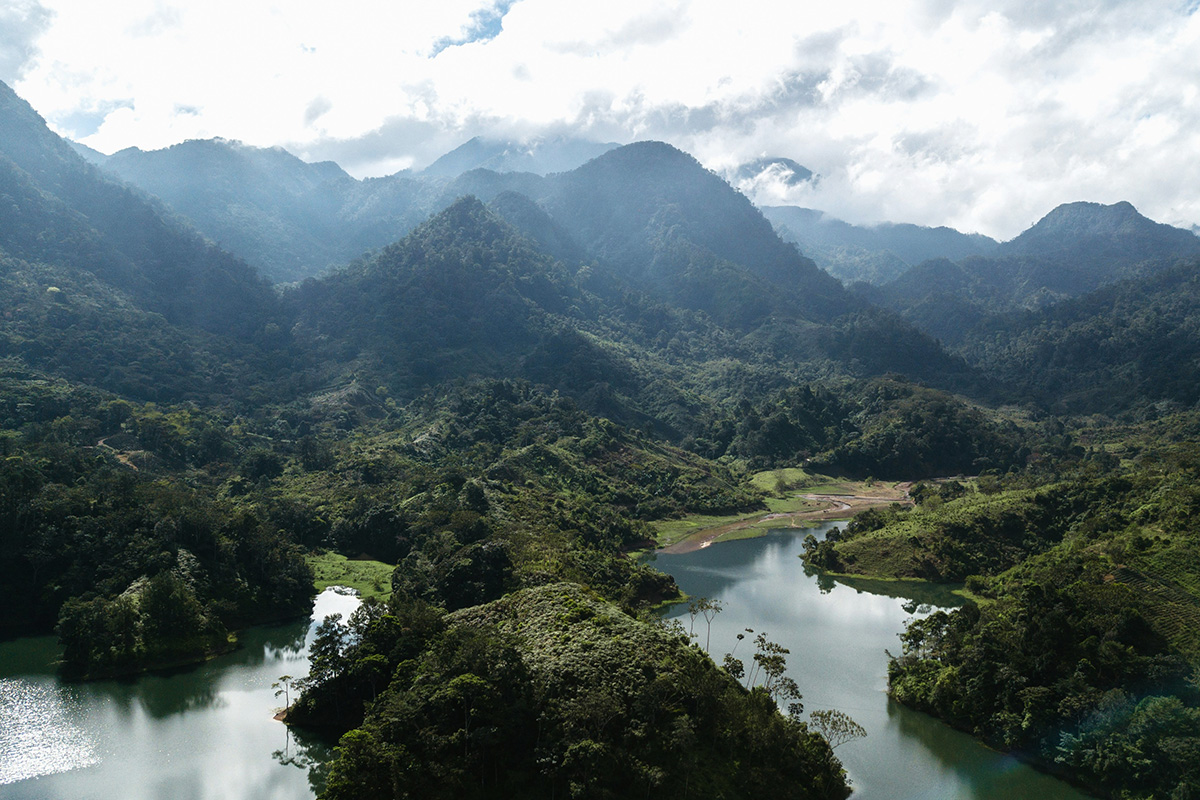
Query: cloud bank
x=978 y=115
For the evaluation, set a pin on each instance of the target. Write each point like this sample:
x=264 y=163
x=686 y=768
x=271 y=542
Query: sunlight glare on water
x=38 y=732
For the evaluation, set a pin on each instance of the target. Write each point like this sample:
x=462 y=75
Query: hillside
x=1075 y=249
x=546 y=675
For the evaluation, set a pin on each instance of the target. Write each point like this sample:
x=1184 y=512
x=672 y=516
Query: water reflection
x=980 y=771
x=204 y=732
x=308 y=751
x=837 y=632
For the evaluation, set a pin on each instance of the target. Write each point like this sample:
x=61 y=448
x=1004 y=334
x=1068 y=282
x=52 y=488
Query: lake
x=207 y=732
x=202 y=733
x=838 y=635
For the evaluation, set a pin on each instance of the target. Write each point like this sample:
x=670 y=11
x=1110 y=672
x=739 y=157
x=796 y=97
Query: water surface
x=838 y=635
x=205 y=732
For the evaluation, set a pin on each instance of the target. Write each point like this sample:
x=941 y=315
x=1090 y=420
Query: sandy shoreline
x=841 y=506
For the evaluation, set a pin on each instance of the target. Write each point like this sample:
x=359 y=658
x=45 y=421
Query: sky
x=980 y=115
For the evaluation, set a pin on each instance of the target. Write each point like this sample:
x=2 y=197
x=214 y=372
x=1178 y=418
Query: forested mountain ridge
x=109 y=229
x=1125 y=347
x=1075 y=249
x=631 y=205
x=264 y=204
x=466 y=295
x=1106 y=236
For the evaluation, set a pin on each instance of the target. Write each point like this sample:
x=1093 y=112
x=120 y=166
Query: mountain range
x=219 y=362
x=638 y=232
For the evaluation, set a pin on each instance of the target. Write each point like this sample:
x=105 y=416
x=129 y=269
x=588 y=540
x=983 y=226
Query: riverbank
x=838 y=635
x=823 y=500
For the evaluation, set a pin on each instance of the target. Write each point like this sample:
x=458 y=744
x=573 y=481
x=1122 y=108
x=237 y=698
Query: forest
x=505 y=378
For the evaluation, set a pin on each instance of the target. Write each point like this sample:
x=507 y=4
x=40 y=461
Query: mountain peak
x=540 y=156
x=774 y=168
x=1095 y=218
x=1083 y=226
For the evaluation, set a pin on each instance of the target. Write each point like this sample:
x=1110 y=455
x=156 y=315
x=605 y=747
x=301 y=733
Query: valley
x=230 y=378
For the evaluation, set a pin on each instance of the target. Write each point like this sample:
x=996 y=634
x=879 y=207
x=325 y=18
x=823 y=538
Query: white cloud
x=22 y=23
x=979 y=115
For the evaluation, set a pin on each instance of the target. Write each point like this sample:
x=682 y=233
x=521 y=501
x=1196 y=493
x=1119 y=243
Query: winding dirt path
x=124 y=457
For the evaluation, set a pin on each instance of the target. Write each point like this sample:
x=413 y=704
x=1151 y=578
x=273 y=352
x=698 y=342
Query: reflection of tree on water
x=936 y=595
x=197 y=687
x=306 y=750
x=985 y=773
x=825 y=582
x=159 y=696
x=272 y=643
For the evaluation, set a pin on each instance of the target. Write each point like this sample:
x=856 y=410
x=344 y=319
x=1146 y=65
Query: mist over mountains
x=642 y=218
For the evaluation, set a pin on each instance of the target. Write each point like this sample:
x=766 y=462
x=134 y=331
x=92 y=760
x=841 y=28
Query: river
x=837 y=635
x=202 y=733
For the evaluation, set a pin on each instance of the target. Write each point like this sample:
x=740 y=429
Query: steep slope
x=1126 y=346
x=634 y=206
x=1105 y=238
x=62 y=210
x=463 y=295
x=467 y=295
x=294 y=220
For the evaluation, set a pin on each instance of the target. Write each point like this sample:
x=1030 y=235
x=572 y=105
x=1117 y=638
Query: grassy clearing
x=780 y=481
x=770 y=480
x=368 y=578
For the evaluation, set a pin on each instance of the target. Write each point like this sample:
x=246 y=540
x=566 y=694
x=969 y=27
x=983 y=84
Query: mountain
x=873 y=254
x=779 y=169
x=463 y=295
x=1105 y=238
x=1075 y=249
x=293 y=220
x=640 y=207
x=289 y=218
x=1131 y=345
x=540 y=156
x=62 y=210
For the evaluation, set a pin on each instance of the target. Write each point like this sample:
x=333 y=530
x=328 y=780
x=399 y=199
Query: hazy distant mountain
x=539 y=156
x=1102 y=240
x=289 y=218
x=875 y=254
x=783 y=170
x=293 y=220
x=1075 y=249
